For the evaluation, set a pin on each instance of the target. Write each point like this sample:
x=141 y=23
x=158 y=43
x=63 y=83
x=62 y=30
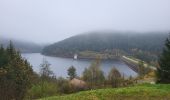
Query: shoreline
x=82 y=57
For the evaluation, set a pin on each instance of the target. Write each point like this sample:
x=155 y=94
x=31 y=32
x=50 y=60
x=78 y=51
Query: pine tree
x=72 y=72
x=164 y=62
x=15 y=74
x=2 y=56
x=11 y=49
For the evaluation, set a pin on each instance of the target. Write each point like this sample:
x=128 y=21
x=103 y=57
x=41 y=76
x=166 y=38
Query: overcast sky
x=47 y=21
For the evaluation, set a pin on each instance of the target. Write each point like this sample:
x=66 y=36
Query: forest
x=145 y=46
x=18 y=81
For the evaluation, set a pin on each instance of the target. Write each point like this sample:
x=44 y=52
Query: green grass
x=139 y=92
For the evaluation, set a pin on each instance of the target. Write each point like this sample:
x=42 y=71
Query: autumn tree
x=94 y=75
x=45 y=71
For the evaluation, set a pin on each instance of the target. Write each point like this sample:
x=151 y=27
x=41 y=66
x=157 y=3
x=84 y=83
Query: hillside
x=140 y=92
x=24 y=47
x=137 y=44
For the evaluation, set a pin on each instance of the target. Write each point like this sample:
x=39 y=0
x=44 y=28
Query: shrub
x=42 y=89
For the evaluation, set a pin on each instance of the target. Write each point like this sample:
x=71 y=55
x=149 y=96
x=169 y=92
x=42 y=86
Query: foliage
x=141 y=68
x=50 y=87
x=164 y=62
x=45 y=71
x=139 y=92
x=40 y=90
x=71 y=72
x=63 y=85
x=16 y=74
x=93 y=75
x=115 y=78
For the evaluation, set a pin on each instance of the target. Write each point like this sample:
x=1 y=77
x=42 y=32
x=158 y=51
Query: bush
x=50 y=87
x=63 y=85
x=42 y=89
x=115 y=78
x=93 y=75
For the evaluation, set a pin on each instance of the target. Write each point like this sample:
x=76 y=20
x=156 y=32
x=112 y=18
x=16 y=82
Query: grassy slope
x=140 y=92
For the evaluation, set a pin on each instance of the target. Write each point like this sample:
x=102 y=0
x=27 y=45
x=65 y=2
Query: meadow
x=138 y=92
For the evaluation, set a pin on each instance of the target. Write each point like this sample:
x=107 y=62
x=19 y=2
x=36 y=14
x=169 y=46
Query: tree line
x=146 y=46
x=18 y=81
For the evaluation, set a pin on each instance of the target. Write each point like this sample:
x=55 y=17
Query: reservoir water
x=60 y=65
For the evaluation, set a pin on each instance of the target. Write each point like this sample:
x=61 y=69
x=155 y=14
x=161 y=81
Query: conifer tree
x=164 y=64
x=15 y=74
x=72 y=72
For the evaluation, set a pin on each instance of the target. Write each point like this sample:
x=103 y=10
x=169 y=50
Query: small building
x=75 y=56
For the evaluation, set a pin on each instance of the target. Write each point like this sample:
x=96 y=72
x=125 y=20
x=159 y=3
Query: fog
x=47 y=21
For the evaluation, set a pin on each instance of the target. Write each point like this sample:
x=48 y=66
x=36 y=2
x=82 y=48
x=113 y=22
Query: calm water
x=60 y=65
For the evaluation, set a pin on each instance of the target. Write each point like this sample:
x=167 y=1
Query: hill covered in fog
x=22 y=46
x=131 y=43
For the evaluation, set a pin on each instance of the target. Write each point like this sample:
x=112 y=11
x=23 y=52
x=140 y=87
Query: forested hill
x=102 y=41
x=24 y=47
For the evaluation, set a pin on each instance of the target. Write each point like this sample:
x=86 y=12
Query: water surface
x=60 y=65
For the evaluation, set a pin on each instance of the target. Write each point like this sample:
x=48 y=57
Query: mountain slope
x=102 y=41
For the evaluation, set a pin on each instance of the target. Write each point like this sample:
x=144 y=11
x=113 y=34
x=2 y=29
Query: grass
x=139 y=92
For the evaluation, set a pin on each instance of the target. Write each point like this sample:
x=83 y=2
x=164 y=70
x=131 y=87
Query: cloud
x=44 y=21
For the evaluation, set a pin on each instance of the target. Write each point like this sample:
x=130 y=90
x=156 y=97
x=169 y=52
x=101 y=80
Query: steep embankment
x=140 y=92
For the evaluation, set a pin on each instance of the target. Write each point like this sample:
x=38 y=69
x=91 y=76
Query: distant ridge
x=22 y=46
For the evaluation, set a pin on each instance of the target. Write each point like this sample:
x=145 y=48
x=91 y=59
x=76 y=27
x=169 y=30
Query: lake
x=60 y=65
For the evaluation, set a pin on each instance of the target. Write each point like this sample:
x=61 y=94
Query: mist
x=48 y=21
